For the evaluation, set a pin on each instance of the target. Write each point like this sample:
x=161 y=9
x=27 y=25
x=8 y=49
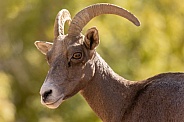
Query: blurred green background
x=134 y=52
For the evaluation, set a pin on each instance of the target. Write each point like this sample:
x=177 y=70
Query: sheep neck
x=108 y=94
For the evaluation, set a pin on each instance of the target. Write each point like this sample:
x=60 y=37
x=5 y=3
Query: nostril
x=46 y=94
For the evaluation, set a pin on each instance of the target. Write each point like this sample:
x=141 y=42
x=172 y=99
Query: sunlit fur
x=113 y=98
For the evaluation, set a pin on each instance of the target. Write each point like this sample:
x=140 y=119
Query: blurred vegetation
x=134 y=52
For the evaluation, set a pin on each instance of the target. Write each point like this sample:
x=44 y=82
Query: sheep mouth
x=56 y=103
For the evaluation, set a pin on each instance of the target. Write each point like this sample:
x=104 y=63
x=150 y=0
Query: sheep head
x=71 y=56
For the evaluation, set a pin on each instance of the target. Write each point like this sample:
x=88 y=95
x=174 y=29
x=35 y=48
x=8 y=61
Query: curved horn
x=88 y=13
x=61 y=18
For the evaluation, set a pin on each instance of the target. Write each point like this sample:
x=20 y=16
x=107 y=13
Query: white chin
x=55 y=104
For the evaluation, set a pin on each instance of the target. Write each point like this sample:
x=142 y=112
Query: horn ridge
x=88 y=13
x=61 y=18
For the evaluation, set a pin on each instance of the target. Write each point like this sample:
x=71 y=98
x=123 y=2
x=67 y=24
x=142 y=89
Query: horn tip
x=137 y=22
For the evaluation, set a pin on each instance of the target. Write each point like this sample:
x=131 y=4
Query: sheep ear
x=91 y=39
x=43 y=47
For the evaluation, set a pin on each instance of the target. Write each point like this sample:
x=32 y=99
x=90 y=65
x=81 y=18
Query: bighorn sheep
x=76 y=66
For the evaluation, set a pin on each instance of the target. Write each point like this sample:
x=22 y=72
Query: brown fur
x=76 y=66
x=115 y=99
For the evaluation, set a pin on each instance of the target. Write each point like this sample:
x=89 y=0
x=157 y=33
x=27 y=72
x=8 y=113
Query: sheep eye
x=77 y=55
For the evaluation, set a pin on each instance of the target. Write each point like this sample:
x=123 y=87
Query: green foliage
x=134 y=52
